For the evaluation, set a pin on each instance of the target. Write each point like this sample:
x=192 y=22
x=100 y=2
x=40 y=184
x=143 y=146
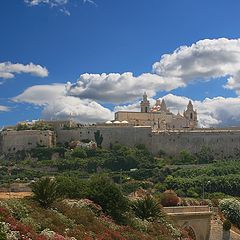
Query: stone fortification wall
x=13 y=141
x=126 y=135
x=224 y=142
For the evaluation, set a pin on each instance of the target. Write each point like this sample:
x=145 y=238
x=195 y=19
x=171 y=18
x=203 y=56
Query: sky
x=86 y=59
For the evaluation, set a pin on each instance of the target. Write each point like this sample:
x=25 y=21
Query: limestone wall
x=126 y=135
x=13 y=141
x=225 y=142
x=222 y=142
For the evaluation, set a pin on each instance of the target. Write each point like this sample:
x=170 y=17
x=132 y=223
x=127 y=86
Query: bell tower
x=145 y=104
x=191 y=115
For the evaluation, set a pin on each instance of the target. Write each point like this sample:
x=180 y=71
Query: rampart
x=223 y=142
x=13 y=141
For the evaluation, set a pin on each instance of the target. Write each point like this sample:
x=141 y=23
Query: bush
x=227 y=225
x=45 y=191
x=107 y=194
x=147 y=208
x=79 y=153
x=231 y=210
x=169 y=198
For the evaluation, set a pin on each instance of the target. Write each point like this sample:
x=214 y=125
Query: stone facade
x=159 y=116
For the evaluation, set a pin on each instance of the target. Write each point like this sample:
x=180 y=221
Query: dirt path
x=7 y=195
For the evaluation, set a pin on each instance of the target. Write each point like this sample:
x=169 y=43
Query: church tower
x=145 y=104
x=163 y=106
x=191 y=115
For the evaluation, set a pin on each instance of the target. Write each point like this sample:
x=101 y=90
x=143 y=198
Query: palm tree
x=45 y=191
x=147 y=208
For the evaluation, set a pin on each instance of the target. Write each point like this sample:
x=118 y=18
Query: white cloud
x=41 y=94
x=8 y=70
x=56 y=105
x=52 y=3
x=4 y=108
x=62 y=5
x=114 y=87
x=204 y=60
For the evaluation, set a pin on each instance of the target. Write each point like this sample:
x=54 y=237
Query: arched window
x=191 y=116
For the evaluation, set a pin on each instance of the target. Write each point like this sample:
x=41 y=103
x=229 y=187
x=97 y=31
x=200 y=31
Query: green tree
x=79 y=152
x=45 y=191
x=147 y=208
x=98 y=138
x=205 y=155
x=107 y=194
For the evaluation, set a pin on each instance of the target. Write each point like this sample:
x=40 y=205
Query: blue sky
x=111 y=36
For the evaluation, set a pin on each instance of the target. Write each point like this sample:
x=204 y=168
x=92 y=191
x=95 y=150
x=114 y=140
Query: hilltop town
x=155 y=127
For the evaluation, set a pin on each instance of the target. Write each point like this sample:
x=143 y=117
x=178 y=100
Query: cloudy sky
x=86 y=59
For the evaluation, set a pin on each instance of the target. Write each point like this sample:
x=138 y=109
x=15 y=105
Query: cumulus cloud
x=8 y=70
x=202 y=61
x=56 y=105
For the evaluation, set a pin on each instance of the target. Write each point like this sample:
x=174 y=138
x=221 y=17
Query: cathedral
x=159 y=117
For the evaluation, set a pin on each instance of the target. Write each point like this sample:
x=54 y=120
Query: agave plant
x=147 y=208
x=45 y=191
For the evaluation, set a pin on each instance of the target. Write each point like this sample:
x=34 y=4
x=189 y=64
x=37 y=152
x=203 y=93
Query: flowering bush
x=84 y=203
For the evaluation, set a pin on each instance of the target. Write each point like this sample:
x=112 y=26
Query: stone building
x=159 y=117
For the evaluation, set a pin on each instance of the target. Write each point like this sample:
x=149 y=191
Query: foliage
x=45 y=191
x=231 y=210
x=45 y=153
x=22 y=126
x=147 y=208
x=98 y=138
x=108 y=195
x=184 y=157
x=227 y=225
x=3 y=235
x=71 y=187
x=169 y=198
x=79 y=152
x=205 y=155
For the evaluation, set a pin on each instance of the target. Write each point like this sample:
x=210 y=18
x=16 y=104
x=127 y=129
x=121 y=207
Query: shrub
x=45 y=191
x=231 y=210
x=79 y=153
x=147 y=208
x=169 y=198
x=107 y=194
x=3 y=235
x=227 y=225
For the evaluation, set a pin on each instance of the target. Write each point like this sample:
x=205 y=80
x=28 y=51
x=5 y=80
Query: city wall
x=224 y=142
x=13 y=141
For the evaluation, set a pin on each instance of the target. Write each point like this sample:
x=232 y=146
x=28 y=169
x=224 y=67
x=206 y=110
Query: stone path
x=216 y=231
